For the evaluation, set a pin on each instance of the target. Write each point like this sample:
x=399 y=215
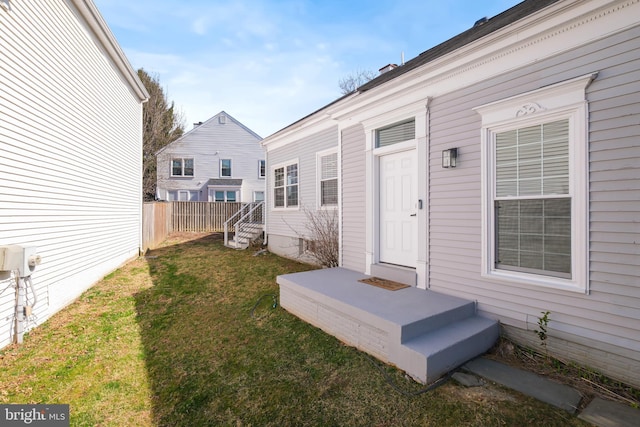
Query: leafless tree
x=355 y=80
x=162 y=124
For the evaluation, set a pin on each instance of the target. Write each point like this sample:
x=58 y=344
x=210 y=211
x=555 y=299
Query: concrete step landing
x=422 y=332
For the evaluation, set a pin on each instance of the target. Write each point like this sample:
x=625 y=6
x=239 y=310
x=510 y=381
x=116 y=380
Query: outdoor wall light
x=449 y=158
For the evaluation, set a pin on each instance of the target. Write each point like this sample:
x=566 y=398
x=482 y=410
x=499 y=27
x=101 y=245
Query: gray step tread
x=447 y=336
x=437 y=321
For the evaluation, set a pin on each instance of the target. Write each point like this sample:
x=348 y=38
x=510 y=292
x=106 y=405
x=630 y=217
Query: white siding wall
x=609 y=318
x=353 y=198
x=290 y=223
x=230 y=140
x=70 y=155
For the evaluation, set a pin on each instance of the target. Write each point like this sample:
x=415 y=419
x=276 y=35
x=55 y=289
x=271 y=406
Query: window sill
x=510 y=277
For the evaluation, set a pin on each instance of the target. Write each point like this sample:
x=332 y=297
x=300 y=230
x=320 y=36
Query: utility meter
x=21 y=258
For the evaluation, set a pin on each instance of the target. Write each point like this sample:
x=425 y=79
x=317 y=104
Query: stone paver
x=599 y=412
x=551 y=392
x=604 y=413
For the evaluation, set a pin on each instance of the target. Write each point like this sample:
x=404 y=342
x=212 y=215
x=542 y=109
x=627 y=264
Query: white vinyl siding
x=353 y=189
x=71 y=150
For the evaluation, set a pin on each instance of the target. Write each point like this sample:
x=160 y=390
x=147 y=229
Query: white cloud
x=270 y=63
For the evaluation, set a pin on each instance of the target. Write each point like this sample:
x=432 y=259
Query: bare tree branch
x=162 y=124
x=355 y=80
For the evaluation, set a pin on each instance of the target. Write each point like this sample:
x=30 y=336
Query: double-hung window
x=327 y=162
x=262 y=169
x=535 y=187
x=225 y=168
x=285 y=186
x=532 y=201
x=181 y=167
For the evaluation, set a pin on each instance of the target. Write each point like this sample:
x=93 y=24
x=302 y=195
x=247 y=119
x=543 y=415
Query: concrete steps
x=443 y=349
x=422 y=332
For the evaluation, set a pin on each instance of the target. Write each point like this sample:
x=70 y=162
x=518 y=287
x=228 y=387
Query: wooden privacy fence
x=162 y=218
x=202 y=216
x=156 y=224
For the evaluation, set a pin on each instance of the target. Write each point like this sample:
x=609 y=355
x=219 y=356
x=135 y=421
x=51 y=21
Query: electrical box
x=21 y=258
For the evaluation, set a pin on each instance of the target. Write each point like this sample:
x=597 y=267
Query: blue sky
x=269 y=63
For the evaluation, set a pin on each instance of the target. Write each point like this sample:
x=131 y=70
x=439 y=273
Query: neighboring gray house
x=220 y=160
x=70 y=152
x=502 y=167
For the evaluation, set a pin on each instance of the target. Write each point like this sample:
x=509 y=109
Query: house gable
x=220 y=148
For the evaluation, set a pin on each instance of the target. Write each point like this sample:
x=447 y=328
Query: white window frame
x=182 y=161
x=566 y=100
x=319 y=180
x=262 y=169
x=225 y=190
x=190 y=195
x=230 y=168
x=285 y=186
x=255 y=193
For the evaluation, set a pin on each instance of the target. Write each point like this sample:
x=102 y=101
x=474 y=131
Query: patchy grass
x=189 y=337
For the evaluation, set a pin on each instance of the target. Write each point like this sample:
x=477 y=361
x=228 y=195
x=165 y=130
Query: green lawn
x=185 y=337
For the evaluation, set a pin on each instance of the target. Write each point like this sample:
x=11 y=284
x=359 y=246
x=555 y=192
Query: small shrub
x=543 y=324
x=322 y=240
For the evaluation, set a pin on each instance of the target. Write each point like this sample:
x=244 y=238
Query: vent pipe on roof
x=480 y=21
x=387 y=67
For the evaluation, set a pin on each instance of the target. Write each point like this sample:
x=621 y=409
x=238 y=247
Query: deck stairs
x=422 y=332
x=246 y=226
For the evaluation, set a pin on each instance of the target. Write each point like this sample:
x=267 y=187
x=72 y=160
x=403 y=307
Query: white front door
x=398 y=231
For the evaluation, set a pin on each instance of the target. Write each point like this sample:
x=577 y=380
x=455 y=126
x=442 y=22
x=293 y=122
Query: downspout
x=265 y=211
x=340 y=216
x=428 y=192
